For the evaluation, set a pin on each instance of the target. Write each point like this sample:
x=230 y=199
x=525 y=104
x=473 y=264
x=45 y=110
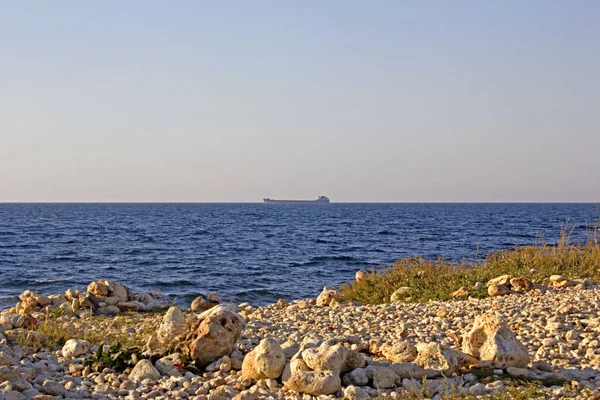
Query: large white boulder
x=326 y=358
x=144 y=370
x=315 y=383
x=491 y=341
x=214 y=335
x=401 y=351
x=172 y=323
x=433 y=356
x=75 y=347
x=265 y=361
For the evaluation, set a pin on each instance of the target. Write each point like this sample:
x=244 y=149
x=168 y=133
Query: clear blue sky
x=361 y=101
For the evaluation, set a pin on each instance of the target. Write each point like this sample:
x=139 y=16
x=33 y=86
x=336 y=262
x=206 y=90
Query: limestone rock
x=14 y=320
x=144 y=370
x=498 y=290
x=265 y=361
x=53 y=388
x=131 y=306
x=503 y=280
x=315 y=383
x=71 y=294
x=111 y=310
x=400 y=293
x=433 y=356
x=237 y=359
x=85 y=313
x=168 y=365
x=411 y=370
x=57 y=299
x=327 y=295
x=326 y=358
x=33 y=299
x=361 y=275
x=548 y=378
x=98 y=289
x=88 y=300
x=402 y=351
x=382 y=377
x=356 y=377
x=560 y=281
x=116 y=290
x=521 y=284
x=282 y=303
x=75 y=347
x=353 y=361
x=202 y=303
x=355 y=393
x=290 y=348
x=222 y=364
x=490 y=340
x=462 y=292
x=214 y=335
x=172 y=323
x=291 y=368
x=111 y=301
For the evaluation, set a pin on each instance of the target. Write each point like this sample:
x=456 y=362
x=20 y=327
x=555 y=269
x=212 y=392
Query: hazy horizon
x=233 y=102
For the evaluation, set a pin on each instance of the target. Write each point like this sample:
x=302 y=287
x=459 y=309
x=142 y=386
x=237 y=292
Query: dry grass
x=128 y=330
x=436 y=280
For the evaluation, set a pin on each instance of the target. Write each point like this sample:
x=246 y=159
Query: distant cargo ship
x=319 y=200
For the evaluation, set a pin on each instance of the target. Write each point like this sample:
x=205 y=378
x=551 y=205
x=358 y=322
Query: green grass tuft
x=436 y=280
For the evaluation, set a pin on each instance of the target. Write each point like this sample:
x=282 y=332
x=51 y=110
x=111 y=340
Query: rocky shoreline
x=526 y=340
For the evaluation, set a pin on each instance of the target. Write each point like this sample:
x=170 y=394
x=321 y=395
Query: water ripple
x=249 y=252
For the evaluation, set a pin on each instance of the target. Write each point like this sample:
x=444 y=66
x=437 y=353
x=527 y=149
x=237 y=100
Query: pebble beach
x=543 y=343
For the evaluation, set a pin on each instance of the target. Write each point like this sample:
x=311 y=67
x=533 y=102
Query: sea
x=255 y=253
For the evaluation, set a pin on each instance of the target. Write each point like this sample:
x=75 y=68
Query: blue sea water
x=253 y=252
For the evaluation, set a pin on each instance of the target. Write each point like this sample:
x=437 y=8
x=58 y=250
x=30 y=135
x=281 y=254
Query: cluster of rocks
x=103 y=297
x=506 y=284
x=328 y=348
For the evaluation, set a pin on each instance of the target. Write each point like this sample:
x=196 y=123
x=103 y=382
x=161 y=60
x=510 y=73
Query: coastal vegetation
x=438 y=279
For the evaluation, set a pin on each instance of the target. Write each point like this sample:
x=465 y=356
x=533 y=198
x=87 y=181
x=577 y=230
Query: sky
x=233 y=101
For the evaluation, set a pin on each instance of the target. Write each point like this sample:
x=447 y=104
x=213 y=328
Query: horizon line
x=333 y=202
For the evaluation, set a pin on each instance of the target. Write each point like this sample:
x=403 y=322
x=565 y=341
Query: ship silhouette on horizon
x=319 y=200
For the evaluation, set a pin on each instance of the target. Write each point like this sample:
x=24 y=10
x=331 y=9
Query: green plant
x=115 y=357
x=437 y=279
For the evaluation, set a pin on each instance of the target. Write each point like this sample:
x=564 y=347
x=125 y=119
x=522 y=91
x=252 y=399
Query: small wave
x=70 y=258
x=134 y=252
x=146 y=263
x=523 y=235
x=324 y=259
x=25 y=246
x=253 y=292
x=320 y=241
x=181 y=282
x=388 y=233
x=334 y=258
x=41 y=281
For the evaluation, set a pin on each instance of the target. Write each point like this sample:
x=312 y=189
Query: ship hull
x=309 y=202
